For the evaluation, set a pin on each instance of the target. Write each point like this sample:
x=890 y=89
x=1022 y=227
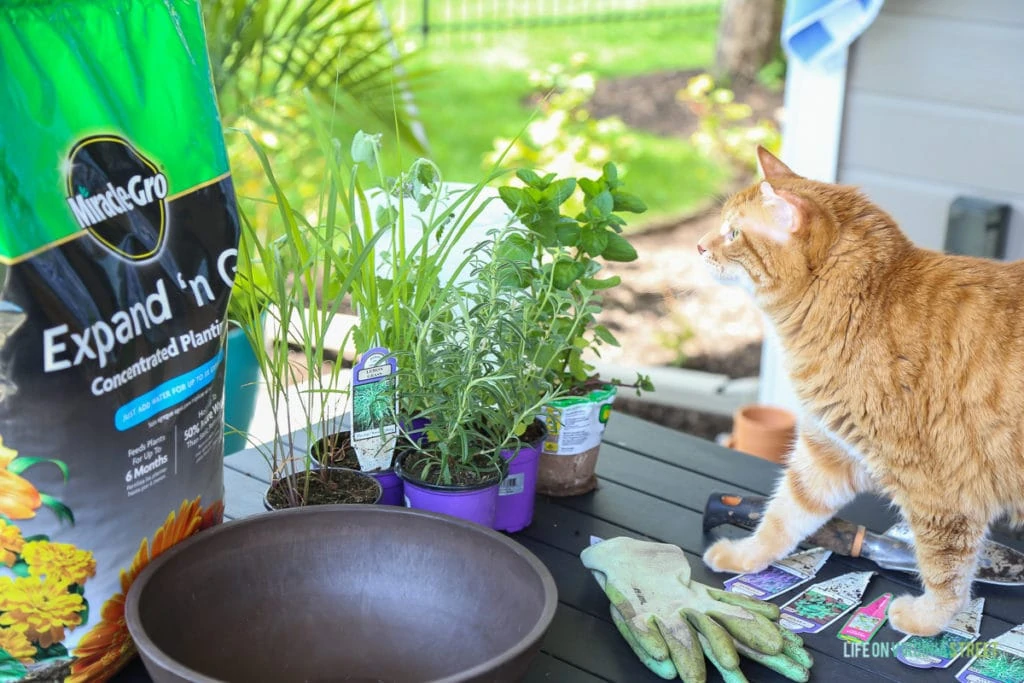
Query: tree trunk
x=748 y=37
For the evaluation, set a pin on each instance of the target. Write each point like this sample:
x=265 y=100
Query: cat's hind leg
x=818 y=481
x=947 y=546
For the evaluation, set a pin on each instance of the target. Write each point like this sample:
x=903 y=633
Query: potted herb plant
x=472 y=377
x=571 y=247
x=429 y=230
x=299 y=292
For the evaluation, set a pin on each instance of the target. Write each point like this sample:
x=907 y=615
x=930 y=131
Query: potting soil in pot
x=118 y=233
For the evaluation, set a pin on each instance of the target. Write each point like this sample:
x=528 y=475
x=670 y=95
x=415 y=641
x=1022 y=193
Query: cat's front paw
x=921 y=616
x=737 y=557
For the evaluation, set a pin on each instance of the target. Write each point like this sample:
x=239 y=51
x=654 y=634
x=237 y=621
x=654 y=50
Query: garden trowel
x=998 y=564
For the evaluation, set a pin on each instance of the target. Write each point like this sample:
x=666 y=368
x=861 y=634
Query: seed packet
x=780 y=576
x=938 y=652
x=823 y=603
x=997 y=661
x=866 y=621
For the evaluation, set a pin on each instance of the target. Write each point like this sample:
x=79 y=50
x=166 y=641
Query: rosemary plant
x=479 y=365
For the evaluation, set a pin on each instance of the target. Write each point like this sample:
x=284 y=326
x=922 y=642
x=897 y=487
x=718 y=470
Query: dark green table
x=653 y=484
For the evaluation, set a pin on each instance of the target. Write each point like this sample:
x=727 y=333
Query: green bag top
x=47 y=194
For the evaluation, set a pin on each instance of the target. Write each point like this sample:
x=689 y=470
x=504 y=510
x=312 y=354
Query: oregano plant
x=569 y=249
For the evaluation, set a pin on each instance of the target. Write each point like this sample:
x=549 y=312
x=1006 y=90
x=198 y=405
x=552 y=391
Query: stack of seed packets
x=997 y=661
x=824 y=603
x=938 y=652
x=780 y=576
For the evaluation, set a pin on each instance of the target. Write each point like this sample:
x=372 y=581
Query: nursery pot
x=765 y=431
x=475 y=503
x=342 y=593
x=575 y=425
x=241 y=389
x=369 y=489
x=518 y=489
x=389 y=481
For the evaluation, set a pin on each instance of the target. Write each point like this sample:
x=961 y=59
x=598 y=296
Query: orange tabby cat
x=909 y=365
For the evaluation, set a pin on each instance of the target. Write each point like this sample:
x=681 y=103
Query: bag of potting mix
x=118 y=234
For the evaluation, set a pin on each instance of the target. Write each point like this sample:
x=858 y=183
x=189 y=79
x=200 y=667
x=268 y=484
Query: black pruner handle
x=734 y=509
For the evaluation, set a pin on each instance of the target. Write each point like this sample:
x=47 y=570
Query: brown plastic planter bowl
x=354 y=593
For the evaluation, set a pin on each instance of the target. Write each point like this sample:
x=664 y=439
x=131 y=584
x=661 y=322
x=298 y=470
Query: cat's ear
x=785 y=211
x=770 y=167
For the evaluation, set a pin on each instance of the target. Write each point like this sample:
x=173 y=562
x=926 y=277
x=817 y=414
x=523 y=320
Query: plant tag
x=997 y=661
x=866 y=621
x=374 y=432
x=823 y=603
x=781 y=575
x=576 y=424
x=938 y=652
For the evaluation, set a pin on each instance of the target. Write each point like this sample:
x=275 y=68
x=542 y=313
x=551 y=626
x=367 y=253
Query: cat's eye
x=732 y=234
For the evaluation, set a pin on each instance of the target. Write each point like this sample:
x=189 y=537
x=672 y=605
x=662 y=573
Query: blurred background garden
x=676 y=93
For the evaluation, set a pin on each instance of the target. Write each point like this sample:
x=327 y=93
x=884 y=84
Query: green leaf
x=426 y=173
x=20 y=568
x=565 y=273
x=602 y=333
x=602 y=203
x=514 y=248
x=11 y=670
x=568 y=232
x=22 y=463
x=531 y=178
x=591 y=188
x=386 y=216
x=607 y=283
x=611 y=174
x=628 y=202
x=562 y=190
x=618 y=249
x=593 y=241
x=515 y=198
x=55 y=651
x=62 y=511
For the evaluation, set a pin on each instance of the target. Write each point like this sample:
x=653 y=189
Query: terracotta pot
x=765 y=431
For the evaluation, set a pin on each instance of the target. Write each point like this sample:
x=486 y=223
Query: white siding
x=935 y=109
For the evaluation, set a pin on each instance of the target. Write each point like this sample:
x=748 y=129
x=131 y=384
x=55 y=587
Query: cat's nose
x=700 y=249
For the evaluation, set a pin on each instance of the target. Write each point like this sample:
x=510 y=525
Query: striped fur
x=909 y=365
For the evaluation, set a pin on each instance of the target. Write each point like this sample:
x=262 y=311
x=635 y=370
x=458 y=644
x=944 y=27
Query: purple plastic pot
x=518 y=490
x=477 y=504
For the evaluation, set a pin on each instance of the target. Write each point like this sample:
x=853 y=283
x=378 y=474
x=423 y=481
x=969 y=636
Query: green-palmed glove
x=672 y=622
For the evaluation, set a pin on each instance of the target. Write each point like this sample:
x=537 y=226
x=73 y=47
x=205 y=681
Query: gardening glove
x=672 y=622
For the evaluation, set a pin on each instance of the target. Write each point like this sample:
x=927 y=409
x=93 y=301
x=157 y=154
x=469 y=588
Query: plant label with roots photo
x=780 y=576
x=938 y=652
x=997 y=661
x=823 y=603
x=374 y=432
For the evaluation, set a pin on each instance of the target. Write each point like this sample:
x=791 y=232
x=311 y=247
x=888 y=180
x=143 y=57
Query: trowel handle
x=733 y=509
x=838 y=535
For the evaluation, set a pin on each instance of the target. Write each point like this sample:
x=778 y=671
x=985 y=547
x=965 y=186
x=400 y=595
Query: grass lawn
x=473 y=92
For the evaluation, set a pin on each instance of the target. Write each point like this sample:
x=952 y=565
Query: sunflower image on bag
x=118 y=239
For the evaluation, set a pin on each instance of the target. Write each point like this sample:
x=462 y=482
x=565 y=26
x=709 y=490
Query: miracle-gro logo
x=118 y=195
